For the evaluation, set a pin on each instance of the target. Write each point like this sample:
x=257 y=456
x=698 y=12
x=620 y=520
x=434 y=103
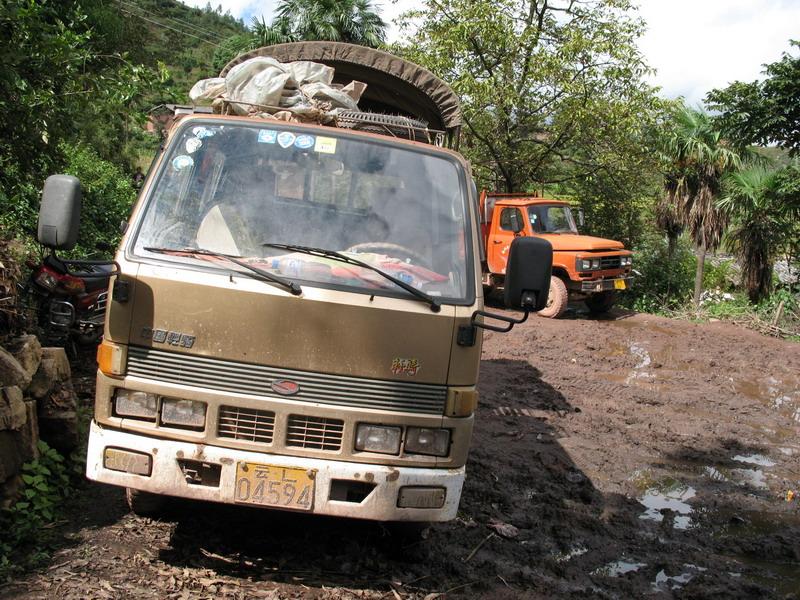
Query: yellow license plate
x=619 y=284
x=271 y=485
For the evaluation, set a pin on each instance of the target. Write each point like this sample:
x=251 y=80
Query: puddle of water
x=781 y=395
x=618 y=567
x=752 y=477
x=714 y=473
x=755 y=478
x=664 y=582
x=670 y=495
x=644 y=361
x=755 y=459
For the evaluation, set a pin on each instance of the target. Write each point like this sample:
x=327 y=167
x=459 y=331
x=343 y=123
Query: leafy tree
x=696 y=158
x=551 y=91
x=352 y=21
x=57 y=83
x=764 y=208
x=233 y=47
x=763 y=112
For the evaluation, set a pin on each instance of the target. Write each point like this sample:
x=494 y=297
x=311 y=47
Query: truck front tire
x=601 y=302
x=145 y=504
x=557 y=299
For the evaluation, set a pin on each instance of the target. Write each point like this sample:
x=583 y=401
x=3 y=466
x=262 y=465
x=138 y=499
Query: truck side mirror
x=514 y=220
x=581 y=219
x=60 y=212
x=528 y=271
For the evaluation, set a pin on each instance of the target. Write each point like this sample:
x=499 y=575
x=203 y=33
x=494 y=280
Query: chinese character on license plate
x=272 y=485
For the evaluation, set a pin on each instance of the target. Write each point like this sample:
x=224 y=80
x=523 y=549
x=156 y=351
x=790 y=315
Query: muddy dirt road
x=633 y=457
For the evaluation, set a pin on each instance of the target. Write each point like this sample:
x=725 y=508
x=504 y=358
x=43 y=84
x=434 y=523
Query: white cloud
x=694 y=45
x=698 y=45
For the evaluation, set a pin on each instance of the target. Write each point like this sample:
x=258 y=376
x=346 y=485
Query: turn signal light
x=111 y=358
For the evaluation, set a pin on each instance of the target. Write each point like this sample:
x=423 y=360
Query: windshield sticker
x=193 y=145
x=182 y=162
x=267 y=136
x=202 y=132
x=304 y=141
x=326 y=145
x=285 y=139
x=405 y=366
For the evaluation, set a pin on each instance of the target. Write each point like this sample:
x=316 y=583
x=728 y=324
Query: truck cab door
x=501 y=236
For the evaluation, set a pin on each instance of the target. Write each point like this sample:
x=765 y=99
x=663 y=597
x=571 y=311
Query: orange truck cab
x=585 y=268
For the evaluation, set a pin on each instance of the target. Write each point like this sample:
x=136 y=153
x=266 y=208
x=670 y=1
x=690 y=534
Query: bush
x=108 y=195
x=663 y=283
x=722 y=276
x=46 y=486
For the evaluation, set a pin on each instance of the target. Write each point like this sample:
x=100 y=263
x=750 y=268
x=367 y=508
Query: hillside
x=180 y=37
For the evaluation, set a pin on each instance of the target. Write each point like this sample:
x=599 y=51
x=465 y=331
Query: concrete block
x=59 y=355
x=28 y=352
x=10 y=491
x=10 y=459
x=13 y=413
x=28 y=438
x=11 y=372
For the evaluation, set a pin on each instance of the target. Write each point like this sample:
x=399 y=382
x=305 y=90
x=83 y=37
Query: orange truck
x=585 y=268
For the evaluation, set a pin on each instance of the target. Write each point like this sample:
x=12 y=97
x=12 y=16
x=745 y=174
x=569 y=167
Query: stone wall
x=36 y=402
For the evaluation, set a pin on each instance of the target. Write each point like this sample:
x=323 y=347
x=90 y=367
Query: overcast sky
x=694 y=45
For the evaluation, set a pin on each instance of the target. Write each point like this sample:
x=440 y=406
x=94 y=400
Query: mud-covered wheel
x=601 y=302
x=406 y=533
x=145 y=504
x=557 y=299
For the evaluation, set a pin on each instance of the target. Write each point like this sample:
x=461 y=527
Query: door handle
x=497 y=241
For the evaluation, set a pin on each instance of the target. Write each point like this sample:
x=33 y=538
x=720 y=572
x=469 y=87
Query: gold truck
x=295 y=317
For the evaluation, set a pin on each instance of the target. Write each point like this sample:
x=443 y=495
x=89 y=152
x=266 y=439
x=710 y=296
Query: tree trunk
x=672 y=243
x=698 y=276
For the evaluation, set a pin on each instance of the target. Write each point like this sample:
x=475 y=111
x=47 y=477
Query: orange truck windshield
x=551 y=219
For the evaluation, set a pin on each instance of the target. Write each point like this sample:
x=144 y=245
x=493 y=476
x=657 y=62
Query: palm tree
x=353 y=21
x=763 y=222
x=696 y=159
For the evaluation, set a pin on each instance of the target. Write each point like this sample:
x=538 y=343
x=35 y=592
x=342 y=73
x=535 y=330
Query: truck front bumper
x=168 y=478
x=605 y=285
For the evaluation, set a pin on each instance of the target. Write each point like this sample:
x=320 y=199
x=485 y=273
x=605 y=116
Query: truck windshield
x=243 y=189
x=551 y=219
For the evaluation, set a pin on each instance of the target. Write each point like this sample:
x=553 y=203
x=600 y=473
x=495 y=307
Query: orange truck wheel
x=557 y=299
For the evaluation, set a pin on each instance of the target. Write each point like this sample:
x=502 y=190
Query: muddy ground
x=630 y=457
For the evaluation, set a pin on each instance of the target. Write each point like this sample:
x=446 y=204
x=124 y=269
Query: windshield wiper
x=434 y=303
x=262 y=274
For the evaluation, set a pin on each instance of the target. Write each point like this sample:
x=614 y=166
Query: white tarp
x=262 y=85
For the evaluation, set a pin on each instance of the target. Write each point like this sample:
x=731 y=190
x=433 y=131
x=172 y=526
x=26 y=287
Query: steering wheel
x=390 y=250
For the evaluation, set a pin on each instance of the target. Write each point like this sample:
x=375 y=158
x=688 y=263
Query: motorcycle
x=69 y=298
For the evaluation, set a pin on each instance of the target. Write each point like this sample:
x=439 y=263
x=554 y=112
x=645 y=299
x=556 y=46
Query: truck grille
x=610 y=262
x=316 y=433
x=256 y=380
x=246 y=424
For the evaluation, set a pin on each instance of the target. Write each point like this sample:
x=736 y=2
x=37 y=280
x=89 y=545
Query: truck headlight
x=378 y=438
x=627 y=260
x=421 y=440
x=596 y=263
x=139 y=405
x=584 y=264
x=183 y=413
